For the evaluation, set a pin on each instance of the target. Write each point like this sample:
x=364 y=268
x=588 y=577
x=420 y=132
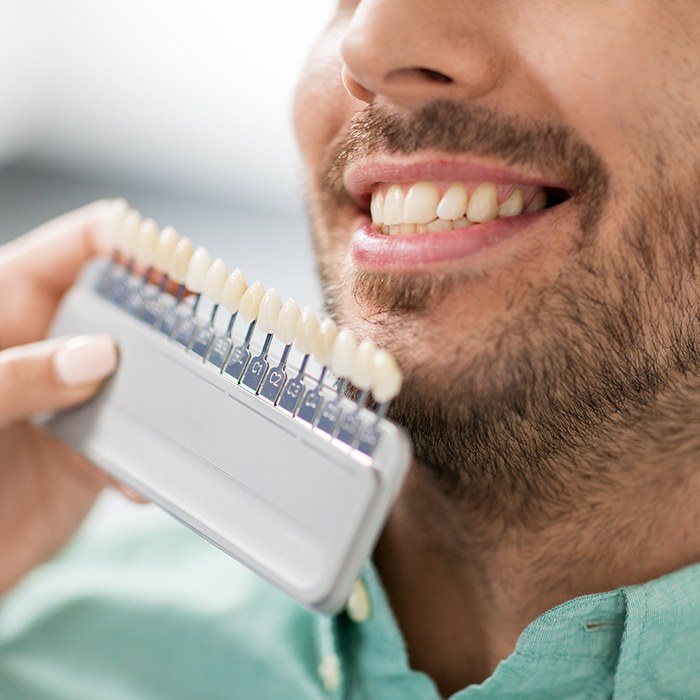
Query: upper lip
x=361 y=176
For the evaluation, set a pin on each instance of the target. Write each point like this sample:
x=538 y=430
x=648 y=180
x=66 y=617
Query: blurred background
x=183 y=108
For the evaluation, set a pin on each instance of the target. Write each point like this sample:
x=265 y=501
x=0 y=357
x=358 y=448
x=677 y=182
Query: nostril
x=421 y=74
x=435 y=75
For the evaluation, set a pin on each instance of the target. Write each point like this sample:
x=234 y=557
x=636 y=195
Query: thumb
x=53 y=374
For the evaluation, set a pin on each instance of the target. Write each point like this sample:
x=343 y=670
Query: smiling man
x=507 y=196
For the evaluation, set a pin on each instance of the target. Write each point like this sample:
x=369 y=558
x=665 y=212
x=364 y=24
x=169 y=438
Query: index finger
x=51 y=255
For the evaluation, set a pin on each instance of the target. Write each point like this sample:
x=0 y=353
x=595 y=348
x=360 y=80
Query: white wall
x=174 y=92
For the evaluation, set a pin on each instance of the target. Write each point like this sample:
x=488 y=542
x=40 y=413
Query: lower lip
x=373 y=250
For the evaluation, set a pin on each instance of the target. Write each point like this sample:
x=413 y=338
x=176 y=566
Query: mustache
x=456 y=128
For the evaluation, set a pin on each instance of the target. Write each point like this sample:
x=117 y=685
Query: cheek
x=322 y=107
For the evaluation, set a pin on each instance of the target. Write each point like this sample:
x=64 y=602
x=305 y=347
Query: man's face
x=525 y=337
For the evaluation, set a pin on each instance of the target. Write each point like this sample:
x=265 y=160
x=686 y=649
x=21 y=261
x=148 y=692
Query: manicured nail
x=85 y=359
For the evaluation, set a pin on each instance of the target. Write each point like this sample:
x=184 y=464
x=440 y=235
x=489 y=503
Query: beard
x=526 y=417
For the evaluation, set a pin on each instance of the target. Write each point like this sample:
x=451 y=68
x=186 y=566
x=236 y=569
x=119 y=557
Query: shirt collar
x=619 y=639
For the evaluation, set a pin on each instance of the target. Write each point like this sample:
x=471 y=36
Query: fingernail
x=85 y=359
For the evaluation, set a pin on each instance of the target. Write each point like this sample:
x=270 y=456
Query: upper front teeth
x=419 y=208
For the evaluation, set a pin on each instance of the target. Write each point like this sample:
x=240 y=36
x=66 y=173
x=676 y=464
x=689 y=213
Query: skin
x=46 y=489
x=561 y=459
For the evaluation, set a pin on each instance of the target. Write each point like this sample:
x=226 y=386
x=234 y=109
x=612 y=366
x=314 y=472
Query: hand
x=46 y=489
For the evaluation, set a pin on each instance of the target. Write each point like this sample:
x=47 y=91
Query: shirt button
x=329 y=671
x=358 y=606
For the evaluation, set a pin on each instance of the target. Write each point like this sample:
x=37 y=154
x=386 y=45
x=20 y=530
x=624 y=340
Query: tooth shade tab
x=146 y=242
x=180 y=260
x=288 y=322
x=128 y=233
x=270 y=307
x=343 y=355
x=362 y=375
x=234 y=288
x=386 y=377
x=420 y=204
x=200 y=262
x=215 y=281
x=249 y=305
x=109 y=225
x=165 y=247
x=325 y=340
x=453 y=204
x=307 y=331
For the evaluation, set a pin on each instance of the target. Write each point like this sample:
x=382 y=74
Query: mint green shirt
x=162 y=614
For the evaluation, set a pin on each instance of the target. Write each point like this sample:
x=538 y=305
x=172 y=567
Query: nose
x=413 y=51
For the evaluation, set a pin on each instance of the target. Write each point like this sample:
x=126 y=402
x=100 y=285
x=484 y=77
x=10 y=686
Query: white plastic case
x=292 y=504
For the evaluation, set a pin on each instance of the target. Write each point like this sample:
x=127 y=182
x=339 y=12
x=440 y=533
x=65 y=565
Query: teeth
x=197 y=270
x=362 y=375
x=483 y=204
x=288 y=322
x=269 y=311
x=343 y=355
x=453 y=204
x=146 y=242
x=386 y=377
x=180 y=261
x=128 y=233
x=233 y=290
x=513 y=206
x=249 y=306
x=215 y=281
x=325 y=339
x=539 y=201
x=307 y=331
x=393 y=205
x=420 y=204
x=421 y=210
x=439 y=225
x=165 y=247
x=377 y=208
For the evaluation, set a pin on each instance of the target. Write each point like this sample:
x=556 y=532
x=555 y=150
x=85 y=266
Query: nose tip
x=391 y=53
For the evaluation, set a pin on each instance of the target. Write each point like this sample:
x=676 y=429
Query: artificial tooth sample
x=377 y=208
x=107 y=228
x=146 y=242
x=307 y=330
x=270 y=307
x=393 y=206
x=453 y=204
x=343 y=354
x=420 y=204
x=215 y=281
x=362 y=375
x=539 y=201
x=165 y=248
x=483 y=204
x=249 y=305
x=325 y=339
x=233 y=290
x=180 y=261
x=288 y=322
x=386 y=377
x=514 y=205
x=200 y=262
x=128 y=233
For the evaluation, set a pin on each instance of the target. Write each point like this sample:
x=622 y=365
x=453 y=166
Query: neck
x=464 y=583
